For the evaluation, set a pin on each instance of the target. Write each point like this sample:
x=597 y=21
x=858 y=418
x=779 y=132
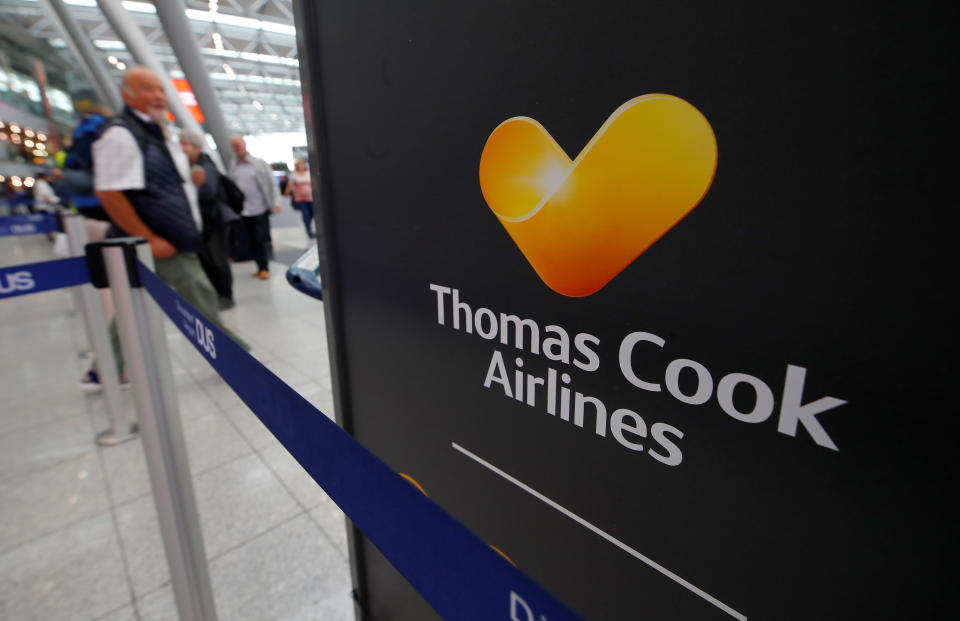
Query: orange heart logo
x=580 y=223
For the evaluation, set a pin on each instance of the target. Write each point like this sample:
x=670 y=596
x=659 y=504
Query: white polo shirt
x=118 y=164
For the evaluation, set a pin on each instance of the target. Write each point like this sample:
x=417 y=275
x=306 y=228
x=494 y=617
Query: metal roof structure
x=248 y=47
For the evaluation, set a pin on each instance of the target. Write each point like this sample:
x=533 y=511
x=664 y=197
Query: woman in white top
x=299 y=184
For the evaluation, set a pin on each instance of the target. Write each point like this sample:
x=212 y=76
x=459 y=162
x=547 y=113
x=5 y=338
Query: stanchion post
x=91 y=306
x=148 y=368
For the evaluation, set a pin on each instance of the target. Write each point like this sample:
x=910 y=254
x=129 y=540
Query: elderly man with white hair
x=143 y=180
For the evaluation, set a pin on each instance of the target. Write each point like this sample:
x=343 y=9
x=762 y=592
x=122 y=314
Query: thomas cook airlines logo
x=580 y=223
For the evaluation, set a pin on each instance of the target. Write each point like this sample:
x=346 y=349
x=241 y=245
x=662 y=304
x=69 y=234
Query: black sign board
x=650 y=297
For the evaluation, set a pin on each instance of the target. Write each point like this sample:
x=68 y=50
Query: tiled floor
x=78 y=529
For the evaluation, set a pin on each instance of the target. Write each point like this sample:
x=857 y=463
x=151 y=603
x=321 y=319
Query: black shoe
x=226 y=303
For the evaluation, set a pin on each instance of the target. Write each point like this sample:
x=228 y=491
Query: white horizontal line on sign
x=576 y=518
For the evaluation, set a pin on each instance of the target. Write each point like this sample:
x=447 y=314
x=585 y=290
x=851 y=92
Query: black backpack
x=232 y=194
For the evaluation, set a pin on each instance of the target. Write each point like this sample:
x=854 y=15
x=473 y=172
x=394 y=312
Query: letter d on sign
x=516 y=604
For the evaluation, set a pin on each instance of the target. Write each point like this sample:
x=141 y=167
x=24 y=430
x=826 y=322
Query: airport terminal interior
x=540 y=311
x=79 y=533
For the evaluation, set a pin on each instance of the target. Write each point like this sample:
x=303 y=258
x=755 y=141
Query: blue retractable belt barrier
x=36 y=277
x=29 y=224
x=458 y=574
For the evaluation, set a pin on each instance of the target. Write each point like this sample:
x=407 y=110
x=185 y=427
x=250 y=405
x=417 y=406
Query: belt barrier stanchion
x=147 y=364
x=90 y=304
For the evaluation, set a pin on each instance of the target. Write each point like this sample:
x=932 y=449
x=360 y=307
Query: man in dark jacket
x=216 y=215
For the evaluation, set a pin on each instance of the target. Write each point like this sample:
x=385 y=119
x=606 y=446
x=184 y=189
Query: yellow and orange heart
x=580 y=223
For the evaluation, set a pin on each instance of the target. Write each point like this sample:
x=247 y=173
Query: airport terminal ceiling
x=248 y=46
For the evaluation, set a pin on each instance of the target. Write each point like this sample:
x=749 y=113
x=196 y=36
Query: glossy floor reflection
x=78 y=529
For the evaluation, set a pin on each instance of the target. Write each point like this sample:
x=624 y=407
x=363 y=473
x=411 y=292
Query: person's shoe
x=226 y=303
x=90 y=382
x=263 y=275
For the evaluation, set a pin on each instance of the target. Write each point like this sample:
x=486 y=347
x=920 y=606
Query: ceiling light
x=257 y=57
x=112 y=60
x=139 y=7
x=42 y=137
x=257 y=104
x=109 y=44
x=257 y=79
x=241 y=22
x=28 y=133
x=229 y=71
x=121 y=65
x=133 y=7
x=217 y=41
x=28 y=143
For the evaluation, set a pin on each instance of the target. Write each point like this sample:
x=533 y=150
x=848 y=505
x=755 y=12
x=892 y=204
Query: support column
x=138 y=46
x=172 y=14
x=86 y=56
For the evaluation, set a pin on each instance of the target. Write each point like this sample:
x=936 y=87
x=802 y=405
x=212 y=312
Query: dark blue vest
x=162 y=204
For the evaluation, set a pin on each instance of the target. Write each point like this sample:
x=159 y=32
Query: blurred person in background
x=298 y=184
x=142 y=177
x=45 y=199
x=261 y=196
x=216 y=215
